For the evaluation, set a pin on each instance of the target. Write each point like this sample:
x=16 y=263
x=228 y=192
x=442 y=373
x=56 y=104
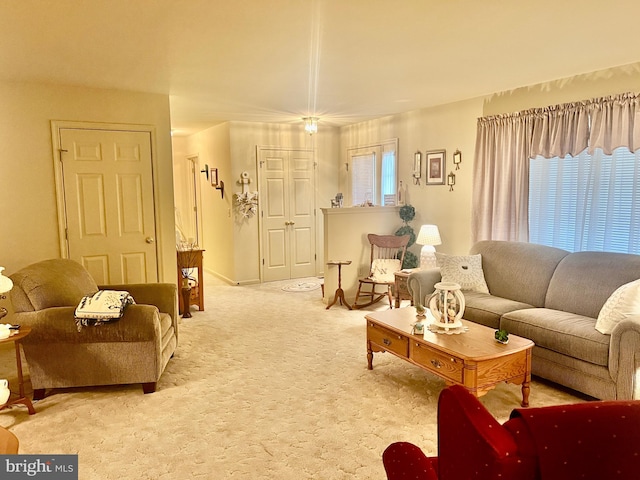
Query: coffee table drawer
x=447 y=366
x=387 y=339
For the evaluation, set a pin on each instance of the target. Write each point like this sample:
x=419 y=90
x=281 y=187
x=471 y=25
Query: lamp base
x=428 y=257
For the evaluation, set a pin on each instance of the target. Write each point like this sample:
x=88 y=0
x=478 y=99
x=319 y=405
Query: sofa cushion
x=465 y=270
x=487 y=309
x=562 y=332
x=583 y=281
x=622 y=303
x=517 y=270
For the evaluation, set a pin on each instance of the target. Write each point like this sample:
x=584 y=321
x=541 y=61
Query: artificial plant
x=407 y=213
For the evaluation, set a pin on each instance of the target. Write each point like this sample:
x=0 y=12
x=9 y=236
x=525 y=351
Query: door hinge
x=62 y=150
x=263 y=261
x=66 y=234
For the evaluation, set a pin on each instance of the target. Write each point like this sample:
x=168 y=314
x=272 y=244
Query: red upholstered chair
x=592 y=440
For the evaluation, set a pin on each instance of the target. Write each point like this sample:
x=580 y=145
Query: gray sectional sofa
x=553 y=297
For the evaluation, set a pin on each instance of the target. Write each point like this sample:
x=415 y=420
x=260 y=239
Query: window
x=587 y=202
x=373 y=173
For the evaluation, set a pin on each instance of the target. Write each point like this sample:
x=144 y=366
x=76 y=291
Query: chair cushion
x=383 y=269
x=51 y=283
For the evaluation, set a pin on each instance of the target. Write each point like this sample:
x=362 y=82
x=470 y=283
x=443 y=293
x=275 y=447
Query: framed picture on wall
x=214 y=177
x=436 y=167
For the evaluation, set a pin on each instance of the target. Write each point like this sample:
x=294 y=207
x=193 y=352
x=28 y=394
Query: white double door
x=288 y=213
x=106 y=192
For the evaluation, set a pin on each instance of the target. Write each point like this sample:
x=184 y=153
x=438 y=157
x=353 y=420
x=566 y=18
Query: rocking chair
x=387 y=255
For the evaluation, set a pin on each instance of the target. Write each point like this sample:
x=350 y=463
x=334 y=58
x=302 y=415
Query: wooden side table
x=191 y=259
x=16 y=336
x=339 y=292
x=401 y=290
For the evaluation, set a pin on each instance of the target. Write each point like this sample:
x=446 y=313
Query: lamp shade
x=429 y=235
x=5 y=282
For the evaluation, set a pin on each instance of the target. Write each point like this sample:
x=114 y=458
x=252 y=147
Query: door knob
x=150 y=240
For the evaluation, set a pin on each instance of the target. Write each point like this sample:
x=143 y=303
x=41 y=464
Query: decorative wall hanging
x=217 y=184
x=417 y=167
x=436 y=167
x=247 y=202
x=457 y=159
x=451 y=181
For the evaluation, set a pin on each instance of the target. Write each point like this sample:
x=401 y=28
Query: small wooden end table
x=401 y=290
x=16 y=337
x=191 y=259
x=339 y=292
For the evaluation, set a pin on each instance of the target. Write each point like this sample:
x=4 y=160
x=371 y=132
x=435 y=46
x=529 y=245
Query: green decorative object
x=407 y=213
x=502 y=336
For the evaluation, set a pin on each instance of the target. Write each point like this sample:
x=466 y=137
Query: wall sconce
x=457 y=159
x=206 y=170
x=451 y=181
x=310 y=125
x=215 y=183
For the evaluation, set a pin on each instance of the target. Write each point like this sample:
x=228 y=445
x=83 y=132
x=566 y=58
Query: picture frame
x=214 y=177
x=436 y=167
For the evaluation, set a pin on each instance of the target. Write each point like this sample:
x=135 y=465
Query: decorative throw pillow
x=383 y=269
x=622 y=303
x=464 y=270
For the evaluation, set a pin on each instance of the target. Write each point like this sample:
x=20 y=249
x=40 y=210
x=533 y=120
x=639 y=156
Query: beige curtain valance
x=505 y=143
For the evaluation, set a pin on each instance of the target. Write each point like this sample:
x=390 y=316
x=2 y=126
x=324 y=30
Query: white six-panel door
x=287 y=214
x=108 y=201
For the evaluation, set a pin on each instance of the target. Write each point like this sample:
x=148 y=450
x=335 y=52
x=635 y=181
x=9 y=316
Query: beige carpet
x=265 y=384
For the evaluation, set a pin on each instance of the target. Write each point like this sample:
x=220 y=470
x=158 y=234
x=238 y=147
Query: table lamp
x=428 y=236
x=5 y=285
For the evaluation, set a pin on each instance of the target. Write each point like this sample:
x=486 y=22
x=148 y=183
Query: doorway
x=287 y=213
x=105 y=194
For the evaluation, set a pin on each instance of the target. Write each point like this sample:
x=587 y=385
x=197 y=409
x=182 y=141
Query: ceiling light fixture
x=310 y=125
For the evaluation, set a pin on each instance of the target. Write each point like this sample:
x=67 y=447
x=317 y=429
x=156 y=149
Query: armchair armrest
x=624 y=358
x=421 y=284
x=162 y=295
x=464 y=425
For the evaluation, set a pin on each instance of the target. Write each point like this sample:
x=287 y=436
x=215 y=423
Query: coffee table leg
x=369 y=357
x=525 y=393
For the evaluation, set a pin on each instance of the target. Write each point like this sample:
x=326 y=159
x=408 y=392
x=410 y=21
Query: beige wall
x=232 y=243
x=581 y=87
x=27 y=188
x=447 y=127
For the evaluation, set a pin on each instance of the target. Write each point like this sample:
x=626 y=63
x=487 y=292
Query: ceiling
x=344 y=61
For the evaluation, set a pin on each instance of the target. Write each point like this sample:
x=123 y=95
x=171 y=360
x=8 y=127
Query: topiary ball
x=407 y=230
x=407 y=212
x=410 y=260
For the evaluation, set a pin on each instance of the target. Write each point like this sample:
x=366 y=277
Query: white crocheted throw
x=103 y=306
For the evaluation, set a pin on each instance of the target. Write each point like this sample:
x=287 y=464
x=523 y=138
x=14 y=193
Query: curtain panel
x=505 y=143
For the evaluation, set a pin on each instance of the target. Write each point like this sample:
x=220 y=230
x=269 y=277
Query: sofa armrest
x=421 y=284
x=624 y=358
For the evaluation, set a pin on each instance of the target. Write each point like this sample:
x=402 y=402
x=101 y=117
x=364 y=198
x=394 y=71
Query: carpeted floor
x=265 y=384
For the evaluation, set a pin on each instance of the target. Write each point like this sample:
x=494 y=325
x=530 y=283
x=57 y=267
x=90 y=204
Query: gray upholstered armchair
x=133 y=349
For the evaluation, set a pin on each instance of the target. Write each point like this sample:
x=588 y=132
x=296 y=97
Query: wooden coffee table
x=472 y=359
